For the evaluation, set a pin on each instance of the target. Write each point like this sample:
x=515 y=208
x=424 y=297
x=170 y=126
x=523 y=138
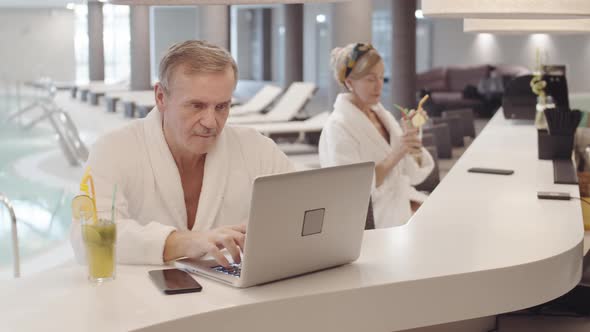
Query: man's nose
x=208 y=119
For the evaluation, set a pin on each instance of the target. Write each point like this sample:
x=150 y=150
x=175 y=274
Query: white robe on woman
x=350 y=137
x=150 y=200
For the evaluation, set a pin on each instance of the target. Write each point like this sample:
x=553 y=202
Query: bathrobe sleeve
x=280 y=162
x=262 y=155
x=339 y=147
x=418 y=173
x=112 y=163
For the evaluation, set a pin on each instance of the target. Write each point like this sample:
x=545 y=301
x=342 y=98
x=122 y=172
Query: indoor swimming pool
x=42 y=209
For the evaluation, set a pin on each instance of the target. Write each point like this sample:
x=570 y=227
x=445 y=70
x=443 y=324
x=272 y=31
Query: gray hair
x=198 y=56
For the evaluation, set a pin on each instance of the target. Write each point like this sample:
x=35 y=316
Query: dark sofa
x=458 y=87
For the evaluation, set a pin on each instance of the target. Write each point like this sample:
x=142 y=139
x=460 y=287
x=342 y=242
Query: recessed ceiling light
x=419 y=14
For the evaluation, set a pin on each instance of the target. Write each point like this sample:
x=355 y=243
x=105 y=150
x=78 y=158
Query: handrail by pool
x=69 y=139
x=15 y=252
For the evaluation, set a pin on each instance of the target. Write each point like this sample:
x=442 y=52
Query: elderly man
x=184 y=180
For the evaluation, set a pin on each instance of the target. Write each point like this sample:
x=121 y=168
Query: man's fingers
x=239 y=228
x=219 y=257
x=239 y=238
x=241 y=241
x=232 y=248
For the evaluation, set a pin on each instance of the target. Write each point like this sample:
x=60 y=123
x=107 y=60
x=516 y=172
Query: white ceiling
x=37 y=3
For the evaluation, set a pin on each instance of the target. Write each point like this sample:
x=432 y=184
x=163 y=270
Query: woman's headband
x=357 y=52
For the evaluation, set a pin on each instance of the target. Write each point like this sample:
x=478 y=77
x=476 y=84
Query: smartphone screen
x=174 y=281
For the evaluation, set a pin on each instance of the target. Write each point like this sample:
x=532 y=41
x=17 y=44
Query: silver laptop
x=299 y=222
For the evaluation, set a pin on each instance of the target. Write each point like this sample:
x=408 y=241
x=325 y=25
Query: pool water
x=43 y=211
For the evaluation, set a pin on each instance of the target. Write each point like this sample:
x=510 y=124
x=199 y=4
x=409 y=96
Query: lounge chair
x=307 y=130
x=258 y=103
x=285 y=109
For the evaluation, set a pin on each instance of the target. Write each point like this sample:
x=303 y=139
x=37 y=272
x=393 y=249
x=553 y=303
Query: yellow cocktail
x=99 y=233
x=99 y=240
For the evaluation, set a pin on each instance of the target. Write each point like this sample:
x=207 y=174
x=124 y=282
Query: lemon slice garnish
x=82 y=207
x=418 y=120
x=91 y=235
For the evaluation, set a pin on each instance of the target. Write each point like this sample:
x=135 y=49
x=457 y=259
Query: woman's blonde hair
x=341 y=58
x=198 y=56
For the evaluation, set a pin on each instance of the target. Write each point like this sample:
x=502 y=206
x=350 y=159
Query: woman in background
x=361 y=129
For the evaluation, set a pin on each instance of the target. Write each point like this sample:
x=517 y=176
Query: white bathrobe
x=150 y=200
x=350 y=137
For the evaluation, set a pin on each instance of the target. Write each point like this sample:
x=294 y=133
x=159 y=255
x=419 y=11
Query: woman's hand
x=410 y=142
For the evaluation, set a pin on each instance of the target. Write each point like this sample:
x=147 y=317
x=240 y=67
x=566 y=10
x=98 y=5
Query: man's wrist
x=175 y=246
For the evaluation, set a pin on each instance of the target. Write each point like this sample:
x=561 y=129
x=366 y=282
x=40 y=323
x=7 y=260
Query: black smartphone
x=491 y=171
x=174 y=281
x=553 y=195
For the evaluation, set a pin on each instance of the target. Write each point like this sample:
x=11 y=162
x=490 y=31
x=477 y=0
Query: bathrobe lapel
x=168 y=180
x=358 y=125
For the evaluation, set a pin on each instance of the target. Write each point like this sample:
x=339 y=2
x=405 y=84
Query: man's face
x=196 y=108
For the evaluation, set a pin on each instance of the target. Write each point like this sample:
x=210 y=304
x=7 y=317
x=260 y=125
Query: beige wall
x=37 y=42
x=452 y=46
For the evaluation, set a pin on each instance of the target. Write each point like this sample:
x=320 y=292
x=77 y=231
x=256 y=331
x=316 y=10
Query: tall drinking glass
x=100 y=241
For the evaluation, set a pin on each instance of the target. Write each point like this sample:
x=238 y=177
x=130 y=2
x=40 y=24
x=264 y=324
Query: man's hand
x=198 y=244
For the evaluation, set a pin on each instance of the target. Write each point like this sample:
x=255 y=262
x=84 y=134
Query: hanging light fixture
x=212 y=2
x=527 y=26
x=507 y=9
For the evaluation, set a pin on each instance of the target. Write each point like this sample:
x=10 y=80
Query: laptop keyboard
x=233 y=270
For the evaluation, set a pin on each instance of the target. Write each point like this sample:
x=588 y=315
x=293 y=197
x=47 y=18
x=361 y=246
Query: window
x=81 y=42
x=252 y=40
x=116 y=38
x=382 y=36
x=317 y=49
x=117 y=41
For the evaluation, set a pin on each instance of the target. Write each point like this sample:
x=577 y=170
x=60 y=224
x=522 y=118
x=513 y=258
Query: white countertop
x=480 y=245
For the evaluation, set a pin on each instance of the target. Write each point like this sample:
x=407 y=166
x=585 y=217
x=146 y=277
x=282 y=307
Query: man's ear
x=160 y=96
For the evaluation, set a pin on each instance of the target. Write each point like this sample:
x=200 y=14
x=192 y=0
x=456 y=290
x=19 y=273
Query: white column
x=351 y=23
x=140 y=48
x=214 y=24
x=95 y=42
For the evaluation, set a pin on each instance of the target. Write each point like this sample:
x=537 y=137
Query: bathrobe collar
x=359 y=124
x=168 y=180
